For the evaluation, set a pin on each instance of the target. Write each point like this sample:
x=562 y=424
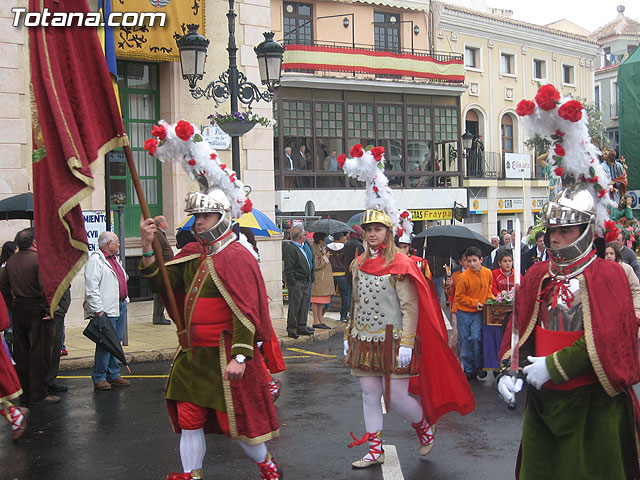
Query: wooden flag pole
x=173 y=306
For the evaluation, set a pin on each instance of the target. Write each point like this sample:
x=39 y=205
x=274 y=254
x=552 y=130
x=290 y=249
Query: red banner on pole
x=75 y=120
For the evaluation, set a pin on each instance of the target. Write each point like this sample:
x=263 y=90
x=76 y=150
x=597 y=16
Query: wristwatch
x=240 y=359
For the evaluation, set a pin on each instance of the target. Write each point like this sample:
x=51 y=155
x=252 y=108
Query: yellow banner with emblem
x=155 y=42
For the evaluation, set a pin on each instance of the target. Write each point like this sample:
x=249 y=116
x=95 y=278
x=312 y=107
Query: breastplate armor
x=562 y=317
x=378 y=306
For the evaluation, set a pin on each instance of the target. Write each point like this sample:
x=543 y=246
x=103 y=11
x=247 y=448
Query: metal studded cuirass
x=562 y=317
x=378 y=306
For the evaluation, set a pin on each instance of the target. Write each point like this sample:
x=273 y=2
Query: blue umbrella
x=355 y=220
x=257 y=221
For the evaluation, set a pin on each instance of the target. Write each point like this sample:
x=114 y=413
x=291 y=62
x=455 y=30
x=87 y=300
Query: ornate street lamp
x=231 y=84
x=467 y=138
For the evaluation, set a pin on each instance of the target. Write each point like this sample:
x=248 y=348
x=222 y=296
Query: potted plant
x=238 y=123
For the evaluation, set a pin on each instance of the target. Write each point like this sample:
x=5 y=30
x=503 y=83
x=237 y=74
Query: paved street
x=125 y=433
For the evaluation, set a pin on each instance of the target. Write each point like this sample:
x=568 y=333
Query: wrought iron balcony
x=364 y=60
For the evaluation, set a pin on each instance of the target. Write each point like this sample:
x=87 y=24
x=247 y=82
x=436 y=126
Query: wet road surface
x=125 y=433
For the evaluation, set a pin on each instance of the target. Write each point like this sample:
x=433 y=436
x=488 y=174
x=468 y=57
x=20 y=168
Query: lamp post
x=231 y=84
x=415 y=29
x=467 y=139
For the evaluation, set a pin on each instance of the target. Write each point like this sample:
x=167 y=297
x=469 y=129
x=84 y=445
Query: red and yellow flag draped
x=76 y=120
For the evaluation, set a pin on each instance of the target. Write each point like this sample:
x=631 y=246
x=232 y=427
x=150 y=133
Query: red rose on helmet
x=400 y=231
x=377 y=153
x=547 y=97
x=375 y=189
x=356 y=151
x=213 y=156
x=159 y=131
x=232 y=177
x=558 y=150
x=151 y=145
x=223 y=166
x=184 y=130
x=593 y=179
x=572 y=110
x=525 y=107
x=559 y=171
x=247 y=206
x=192 y=162
x=404 y=214
x=341 y=159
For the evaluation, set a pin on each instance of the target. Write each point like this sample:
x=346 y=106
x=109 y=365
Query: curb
x=168 y=353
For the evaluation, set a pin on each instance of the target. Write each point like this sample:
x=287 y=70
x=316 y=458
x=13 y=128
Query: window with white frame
x=539 y=69
x=507 y=63
x=471 y=57
x=568 y=74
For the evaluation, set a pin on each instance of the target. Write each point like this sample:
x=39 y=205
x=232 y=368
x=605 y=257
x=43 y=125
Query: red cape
x=254 y=305
x=9 y=383
x=441 y=384
x=613 y=348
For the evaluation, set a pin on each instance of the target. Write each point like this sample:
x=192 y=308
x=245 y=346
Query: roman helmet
x=573 y=206
x=214 y=201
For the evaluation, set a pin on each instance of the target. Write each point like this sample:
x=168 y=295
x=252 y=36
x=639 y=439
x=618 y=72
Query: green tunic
x=575 y=434
x=196 y=376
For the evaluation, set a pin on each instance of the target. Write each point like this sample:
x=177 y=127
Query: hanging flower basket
x=239 y=123
x=237 y=128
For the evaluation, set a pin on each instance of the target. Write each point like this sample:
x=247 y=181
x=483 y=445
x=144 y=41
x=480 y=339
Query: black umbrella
x=328 y=226
x=450 y=240
x=17 y=207
x=101 y=331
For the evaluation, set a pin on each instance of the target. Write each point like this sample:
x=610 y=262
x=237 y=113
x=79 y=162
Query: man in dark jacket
x=353 y=246
x=628 y=256
x=298 y=273
x=537 y=253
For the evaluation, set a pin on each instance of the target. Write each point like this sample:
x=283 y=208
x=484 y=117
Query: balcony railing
x=365 y=60
x=613 y=110
x=491 y=165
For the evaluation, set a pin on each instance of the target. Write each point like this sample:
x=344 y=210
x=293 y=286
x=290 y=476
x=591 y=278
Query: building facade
x=364 y=72
x=505 y=61
x=151 y=88
x=618 y=39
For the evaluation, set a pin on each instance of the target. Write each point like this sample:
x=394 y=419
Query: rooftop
x=621 y=25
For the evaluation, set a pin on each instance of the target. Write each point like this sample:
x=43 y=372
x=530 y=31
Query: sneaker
x=63 y=352
x=482 y=373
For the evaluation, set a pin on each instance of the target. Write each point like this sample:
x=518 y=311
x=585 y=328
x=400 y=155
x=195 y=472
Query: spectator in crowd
x=8 y=249
x=503 y=277
x=507 y=245
x=628 y=256
x=298 y=273
x=438 y=273
x=331 y=162
x=489 y=259
x=537 y=253
x=451 y=292
x=612 y=252
x=323 y=286
x=503 y=232
x=472 y=291
x=33 y=328
x=288 y=163
x=56 y=351
x=106 y=293
x=167 y=254
x=351 y=248
x=336 y=258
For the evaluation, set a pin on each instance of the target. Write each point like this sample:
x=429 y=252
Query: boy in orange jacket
x=473 y=288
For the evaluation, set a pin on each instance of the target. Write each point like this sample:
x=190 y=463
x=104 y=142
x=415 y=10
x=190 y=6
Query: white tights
x=193 y=447
x=405 y=405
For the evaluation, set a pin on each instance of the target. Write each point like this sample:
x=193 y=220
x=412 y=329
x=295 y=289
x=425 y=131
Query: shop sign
x=478 y=206
x=510 y=205
x=537 y=204
x=515 y=163
x=436 y=214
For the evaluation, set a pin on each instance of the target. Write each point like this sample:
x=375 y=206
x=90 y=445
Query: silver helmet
x=573 y=206
x=214 y=201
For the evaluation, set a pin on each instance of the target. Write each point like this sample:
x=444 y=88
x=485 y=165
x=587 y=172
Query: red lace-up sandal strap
x=426 y=435
x=192 y=475
x=268 y=469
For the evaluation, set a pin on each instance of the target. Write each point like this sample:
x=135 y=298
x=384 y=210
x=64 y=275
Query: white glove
x=404 y=356
x=346 y=347
x=259 y=344
x=537 y=373
x=508 y=386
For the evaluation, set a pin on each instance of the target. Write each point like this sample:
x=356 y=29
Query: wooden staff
x=173 y=306
x=388 y=365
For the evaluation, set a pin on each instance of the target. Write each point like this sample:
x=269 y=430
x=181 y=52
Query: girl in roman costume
x=388 y=288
